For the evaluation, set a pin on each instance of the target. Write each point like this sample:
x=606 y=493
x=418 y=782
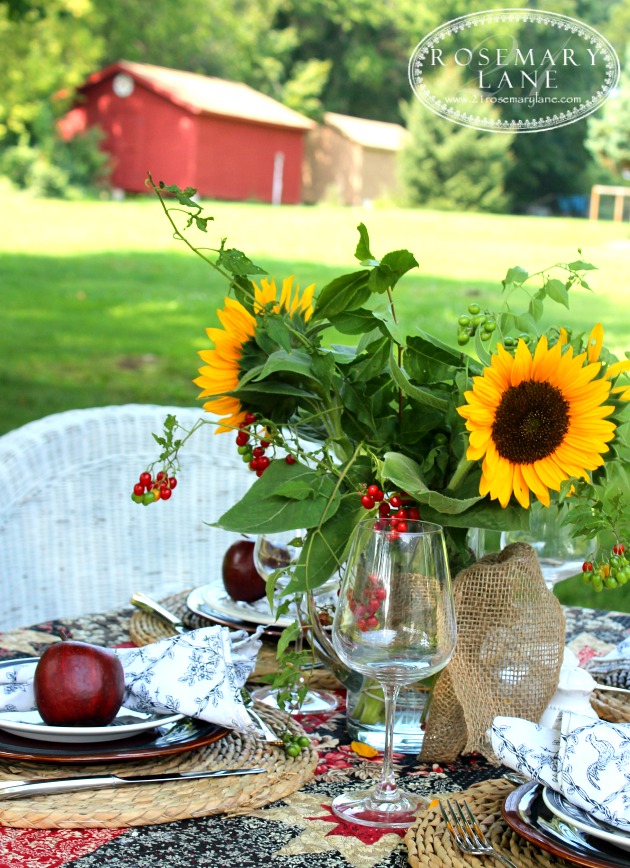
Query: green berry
x=293 y=750
x=485 y=336
x=462 y=339
x=479 y=319
x=304 y=741
x=598 y=585
x=137 y=498
x=473 y=308
x=440 y=439
x=464 y=320
x=490 y=325
x=287 y=737
x=508 y=342
x=242 y=450
x=610 y=582
x=148 y=498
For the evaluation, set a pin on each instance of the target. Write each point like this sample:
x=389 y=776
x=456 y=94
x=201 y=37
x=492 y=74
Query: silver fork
x=468 y=834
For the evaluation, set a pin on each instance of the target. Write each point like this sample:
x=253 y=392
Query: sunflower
x=536 y=421
x=222 y=369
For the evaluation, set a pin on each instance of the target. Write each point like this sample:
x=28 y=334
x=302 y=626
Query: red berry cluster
x=393 y=513
x=254 y=456
x=366 y=609
x=147 y=490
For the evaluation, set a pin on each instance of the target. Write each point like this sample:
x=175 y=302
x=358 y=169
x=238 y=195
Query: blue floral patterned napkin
x=587 y=761
x=199 y=674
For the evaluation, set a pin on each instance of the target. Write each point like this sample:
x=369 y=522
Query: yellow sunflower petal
x=595 y=342
x=617 y=368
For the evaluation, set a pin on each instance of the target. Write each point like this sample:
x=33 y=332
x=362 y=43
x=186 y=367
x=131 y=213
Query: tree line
x=346 y=56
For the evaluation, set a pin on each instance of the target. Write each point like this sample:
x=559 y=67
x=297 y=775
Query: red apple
x=241 y=579
x=77 y=684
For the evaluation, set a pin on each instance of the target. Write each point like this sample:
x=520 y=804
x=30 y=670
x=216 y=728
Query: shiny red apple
x=241 y=579
x=78 y=684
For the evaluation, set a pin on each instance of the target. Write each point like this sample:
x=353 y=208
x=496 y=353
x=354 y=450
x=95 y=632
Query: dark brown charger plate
x=525 y=811
x=178 y=737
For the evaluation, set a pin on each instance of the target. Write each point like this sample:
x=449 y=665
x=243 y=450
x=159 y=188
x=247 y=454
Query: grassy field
x=102 y=306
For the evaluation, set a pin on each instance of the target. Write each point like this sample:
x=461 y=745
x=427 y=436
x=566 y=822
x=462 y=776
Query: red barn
x=221 y=137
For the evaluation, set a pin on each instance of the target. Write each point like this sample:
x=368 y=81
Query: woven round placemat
x=149 y=804
x=146 y=627
x=429 y=842
x=612 y=706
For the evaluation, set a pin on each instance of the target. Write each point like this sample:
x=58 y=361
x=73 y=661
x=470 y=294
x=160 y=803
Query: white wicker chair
x=71 y=539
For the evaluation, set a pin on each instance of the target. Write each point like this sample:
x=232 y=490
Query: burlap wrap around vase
x=510 y=644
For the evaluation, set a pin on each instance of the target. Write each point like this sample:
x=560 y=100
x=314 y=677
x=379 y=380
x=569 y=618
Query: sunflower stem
x=462 y=470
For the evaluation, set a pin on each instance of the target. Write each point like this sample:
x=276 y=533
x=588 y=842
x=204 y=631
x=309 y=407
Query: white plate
x=127 y=723
x=215 y=597
x=575 y=816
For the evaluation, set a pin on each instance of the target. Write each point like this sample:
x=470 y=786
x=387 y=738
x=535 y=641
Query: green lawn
x=102 y=306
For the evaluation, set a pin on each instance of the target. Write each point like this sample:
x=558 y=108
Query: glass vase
x=366 y=715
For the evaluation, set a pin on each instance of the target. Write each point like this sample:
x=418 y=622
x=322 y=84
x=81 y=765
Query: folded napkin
x=587 y=761
x=573 y=693
x=199 y=674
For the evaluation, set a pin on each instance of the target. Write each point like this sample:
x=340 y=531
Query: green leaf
x=263 y=510
x=481 y=349
x=580 y=265
x=278 y=332
x=486 y=514
x=294 y=362
x=271 y=388
x=515 y=277
x=354 y=322
x=236 y=262
x=399 y=262
x=422 y=396
x=363 y=247
x=390 y=269
x=380 y=279
x=342 y=294
x=323 y=367
x=557 y=291
x=405 y=472
x=325 y=547
x=295 y=489
x=286 y=637
x=536 y=308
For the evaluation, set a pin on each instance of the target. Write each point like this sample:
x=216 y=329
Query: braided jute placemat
x=146 y=627
x=611 y=706
x=149 y=804
x=429 y=842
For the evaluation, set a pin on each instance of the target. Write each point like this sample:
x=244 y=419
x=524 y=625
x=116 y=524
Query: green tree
x=46 y=49
x=609 y=131
x=449 y=166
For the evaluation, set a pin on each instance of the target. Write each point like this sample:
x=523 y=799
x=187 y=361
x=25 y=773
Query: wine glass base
x=315 y=701
x=367 y=809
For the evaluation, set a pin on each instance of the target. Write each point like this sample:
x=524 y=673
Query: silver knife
x=142 y=601
x=22 y=789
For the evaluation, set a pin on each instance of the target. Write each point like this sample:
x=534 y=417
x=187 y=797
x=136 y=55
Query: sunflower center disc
x=530 y=422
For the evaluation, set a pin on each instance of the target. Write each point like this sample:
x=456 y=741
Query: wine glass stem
x=387 y=783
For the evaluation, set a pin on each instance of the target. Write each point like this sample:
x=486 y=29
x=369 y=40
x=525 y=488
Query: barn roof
x=368 y=134
x=202 y=94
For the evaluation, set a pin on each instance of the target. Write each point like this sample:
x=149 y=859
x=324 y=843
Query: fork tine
x=473 y=824
x=469 y=833
x=460 y=832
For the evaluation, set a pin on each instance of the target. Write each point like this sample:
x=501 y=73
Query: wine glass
x=559 y=554
x=394 y=622
x=275 y=553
